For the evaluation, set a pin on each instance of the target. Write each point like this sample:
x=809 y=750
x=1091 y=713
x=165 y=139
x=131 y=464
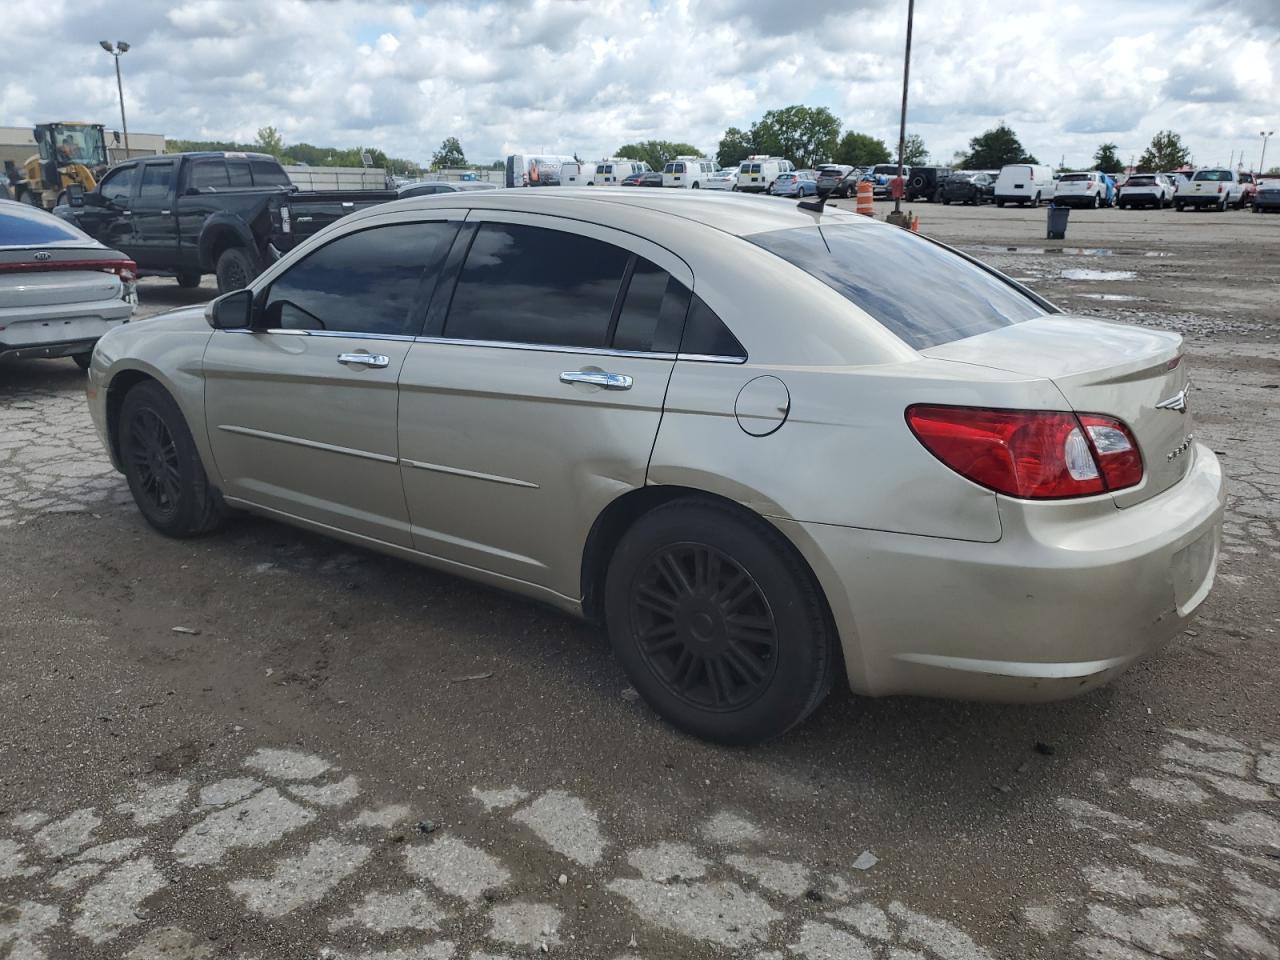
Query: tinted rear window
x=268 y=174
x=1219 y=175
x=924 y=294
x=1140 y=181
x=23 y=226
x=1075 y=176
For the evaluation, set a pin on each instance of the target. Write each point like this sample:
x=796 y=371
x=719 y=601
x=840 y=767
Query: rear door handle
x=366 y=359
x=598 y=378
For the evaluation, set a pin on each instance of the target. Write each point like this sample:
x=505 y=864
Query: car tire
x=680 y=580
x=82 y=359
x=162 y=465
x=235 y=270
x=1097 y=201
x=188 y=280
x=1179 y=206
x=1035 y=202
x=695 y=185
x=946 y=202
x=1000 y=204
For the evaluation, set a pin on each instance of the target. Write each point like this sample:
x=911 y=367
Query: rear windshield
x=921 y=292
x=1140 y=181
x=1075 y=176
x=1212 y=175
x=25 y=226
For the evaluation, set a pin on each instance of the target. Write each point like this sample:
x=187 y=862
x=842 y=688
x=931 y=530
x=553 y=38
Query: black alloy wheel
x=153 y=454
x=704 y=627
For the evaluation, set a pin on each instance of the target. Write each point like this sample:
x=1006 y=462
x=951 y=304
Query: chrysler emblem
x=43 y=255
x=1178 y=402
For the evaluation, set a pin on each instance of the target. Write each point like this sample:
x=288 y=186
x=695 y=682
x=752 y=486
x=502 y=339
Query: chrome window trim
x=343 y=334
x=548 y=348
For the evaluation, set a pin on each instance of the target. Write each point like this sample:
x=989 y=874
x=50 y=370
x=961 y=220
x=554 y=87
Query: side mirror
x=75 y=195
x=231 y=311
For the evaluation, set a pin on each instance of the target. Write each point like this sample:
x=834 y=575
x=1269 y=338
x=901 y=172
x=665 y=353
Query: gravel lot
x=341 y=755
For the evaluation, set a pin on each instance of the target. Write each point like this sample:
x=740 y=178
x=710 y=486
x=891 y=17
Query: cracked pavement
x=308 y=770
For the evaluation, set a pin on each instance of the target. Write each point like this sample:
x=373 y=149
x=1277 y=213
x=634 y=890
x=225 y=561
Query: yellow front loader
x=68 y=153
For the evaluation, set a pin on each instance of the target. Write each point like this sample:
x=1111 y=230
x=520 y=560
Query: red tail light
x=1030 y=454
x=126 y=270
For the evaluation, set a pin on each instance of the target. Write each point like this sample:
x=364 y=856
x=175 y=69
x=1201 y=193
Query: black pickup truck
x=188 y=214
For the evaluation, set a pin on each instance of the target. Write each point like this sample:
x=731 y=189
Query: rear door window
x=238 y=172
x=922 y=293
x=208 y=173
x=362 y=283
x=525 y=284
x=653 y=310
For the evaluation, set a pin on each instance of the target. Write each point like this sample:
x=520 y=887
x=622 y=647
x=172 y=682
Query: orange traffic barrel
x=866 y=199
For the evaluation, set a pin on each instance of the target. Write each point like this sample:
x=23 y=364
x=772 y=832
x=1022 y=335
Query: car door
x=536 y=400
x=301 y=410
x=110 y=219
x=155 y=222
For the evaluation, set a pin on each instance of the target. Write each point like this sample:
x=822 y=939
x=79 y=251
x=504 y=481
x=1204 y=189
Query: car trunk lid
x=1130 y=373
x=52 y=275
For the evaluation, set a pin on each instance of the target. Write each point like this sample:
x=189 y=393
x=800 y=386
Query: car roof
x=729 y=213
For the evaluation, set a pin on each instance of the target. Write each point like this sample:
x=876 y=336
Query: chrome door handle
x=367 y=359
x=598 y=378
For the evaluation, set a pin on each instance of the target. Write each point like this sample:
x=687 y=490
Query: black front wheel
x=188 y=281
x=718 y=624
x=162 y=464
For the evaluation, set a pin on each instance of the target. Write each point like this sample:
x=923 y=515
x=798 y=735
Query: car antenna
x=816 y=205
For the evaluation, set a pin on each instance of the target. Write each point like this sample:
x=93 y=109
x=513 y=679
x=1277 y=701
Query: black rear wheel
x=717 y=623
x=235 y=270
x=162 y=464
x=188 y=280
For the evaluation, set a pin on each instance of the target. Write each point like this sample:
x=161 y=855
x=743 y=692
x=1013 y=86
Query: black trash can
x=1058 y=222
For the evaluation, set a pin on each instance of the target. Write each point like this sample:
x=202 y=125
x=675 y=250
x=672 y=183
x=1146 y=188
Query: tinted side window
x=118 y=186
x=238 y=170
x=652 y=312
x=157 y=181
x=706 y=335
x=268 y=174
x=525 y=284
x=366 y=282
x=208 y=173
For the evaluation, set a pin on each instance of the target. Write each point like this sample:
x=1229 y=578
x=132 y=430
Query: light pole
x=120 y=48
x=1265 y=135
x=902 y=126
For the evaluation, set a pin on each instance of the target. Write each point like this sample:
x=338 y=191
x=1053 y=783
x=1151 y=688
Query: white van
x=576 y=174
x=757 y=173
x=688 y=172
x=1024 y=183
x=526 y=170
x=611 y=172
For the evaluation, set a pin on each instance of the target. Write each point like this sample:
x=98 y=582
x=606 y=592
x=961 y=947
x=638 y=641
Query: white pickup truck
x=1214 y=187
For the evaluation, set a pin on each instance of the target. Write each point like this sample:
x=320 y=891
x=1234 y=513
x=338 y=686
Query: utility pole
x=116 y=51
x=897 y=216
x=1262 y=160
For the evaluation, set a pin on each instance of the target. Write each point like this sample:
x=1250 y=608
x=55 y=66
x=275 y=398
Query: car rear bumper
x=1210 y=200
x=1055 y=608
x=60 y=331
x=1016 y=197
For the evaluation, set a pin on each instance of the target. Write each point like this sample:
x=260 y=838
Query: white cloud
x=568 y=76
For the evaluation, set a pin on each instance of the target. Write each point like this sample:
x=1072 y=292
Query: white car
x=60 y=290
x=724 y=179
x=928 y=479
x=1215 y=187
x=1081 y=190
x=1145 y=190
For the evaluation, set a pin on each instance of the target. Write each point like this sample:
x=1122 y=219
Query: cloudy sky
x=589 y=75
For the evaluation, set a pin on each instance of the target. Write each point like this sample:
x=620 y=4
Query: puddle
x=1069 y=251
x=1110 y=297
x=1098 y=275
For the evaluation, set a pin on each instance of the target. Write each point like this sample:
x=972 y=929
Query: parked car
x=833 y=178
x=757 y=173
x=1023 y=184
x=725 y=179
x=426 y=188
x=1146 y=190
x=1081 y=190
x=651 y=178
x=536 y=397
x=802 y=183
x=881 y=176
x=1268 y=197
x=688 y=172
x=1218 y=188
x=184 y=215
x=925 y=183
x=1248 y=188
x=60 y=290
x=967 y=186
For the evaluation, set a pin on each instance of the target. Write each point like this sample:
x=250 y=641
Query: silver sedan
x=60 y=290
x=766 y=445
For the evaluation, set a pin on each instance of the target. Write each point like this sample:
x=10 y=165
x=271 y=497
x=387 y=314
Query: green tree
x=861 y=150
x=804 y=135
x=656 y=153
x=1106 y=159
x=914 y=151
x=449 y=155
x=270 y=141
x=998 y=146
x=735 y=146
x=1167 y=152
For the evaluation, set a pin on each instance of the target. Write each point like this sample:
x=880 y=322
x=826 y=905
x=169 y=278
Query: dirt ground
x=340 y=755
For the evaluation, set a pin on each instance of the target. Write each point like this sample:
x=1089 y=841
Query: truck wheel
x=235 y=270
x=188 y=280
x=1000 y=204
